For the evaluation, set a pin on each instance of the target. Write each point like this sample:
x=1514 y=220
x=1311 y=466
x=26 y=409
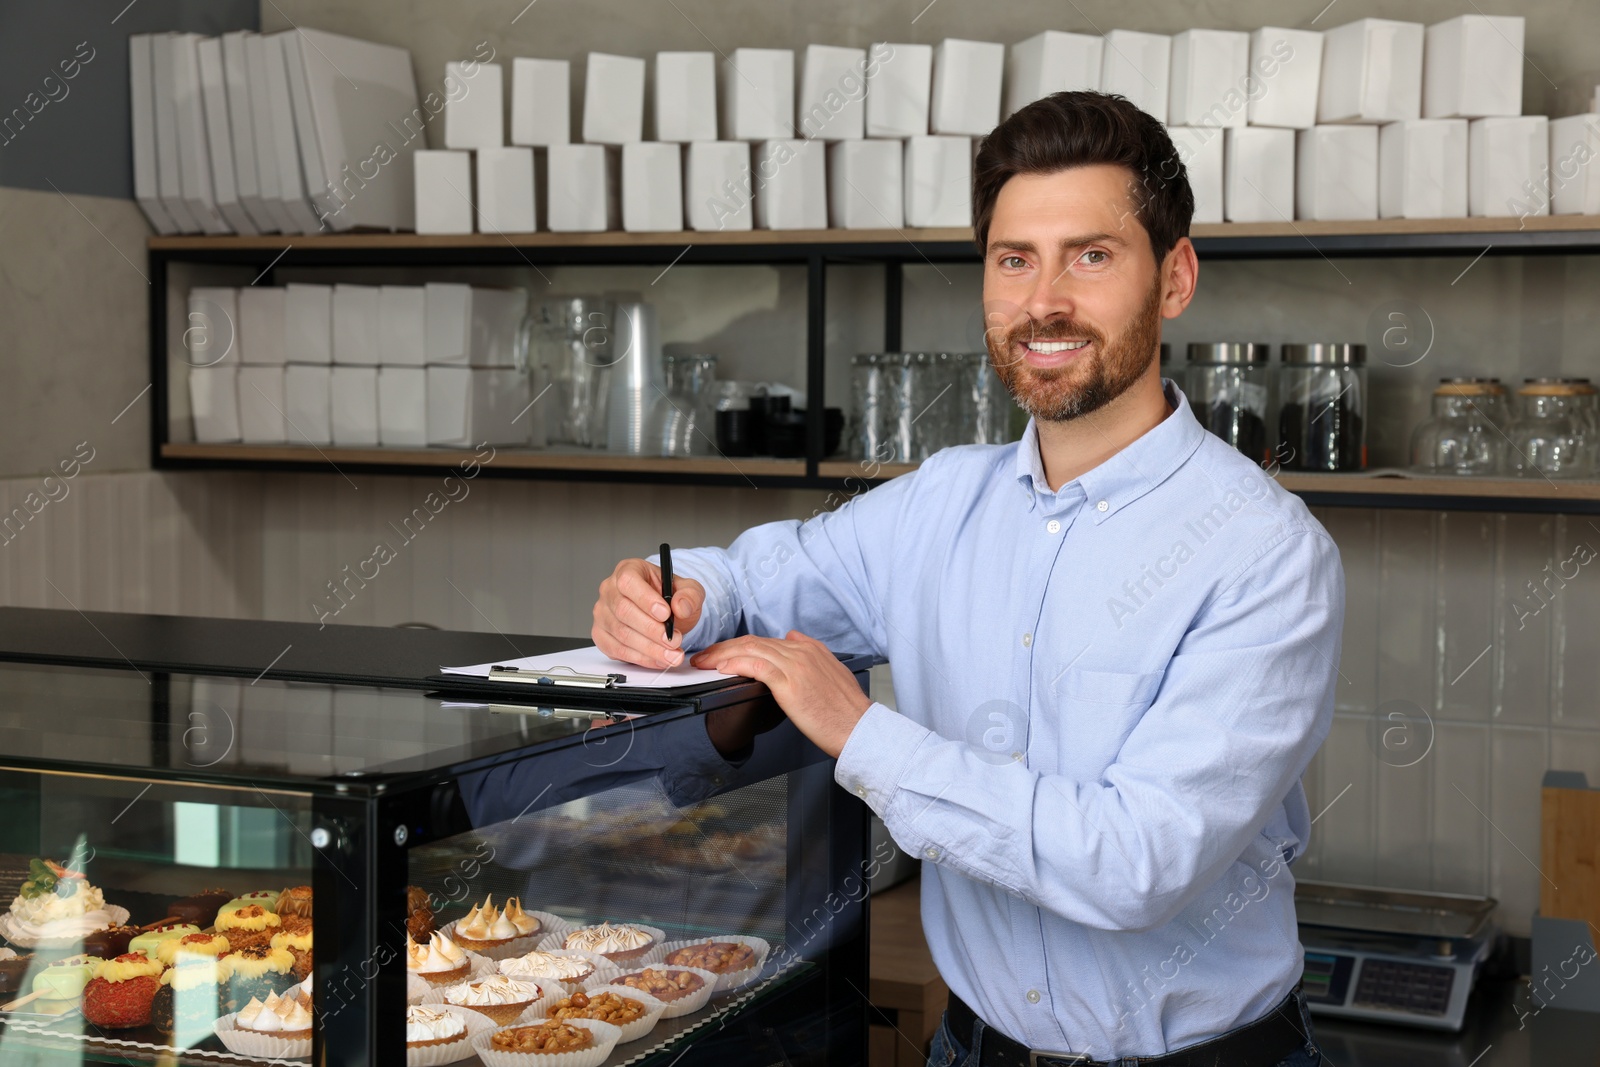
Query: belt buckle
x=1041 y=1058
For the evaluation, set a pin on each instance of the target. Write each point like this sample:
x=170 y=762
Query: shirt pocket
x=1098 y=710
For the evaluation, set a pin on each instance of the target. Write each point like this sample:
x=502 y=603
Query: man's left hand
x=809 y=683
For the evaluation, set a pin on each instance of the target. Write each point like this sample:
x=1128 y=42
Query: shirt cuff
x=708 y=629
x=877 y=755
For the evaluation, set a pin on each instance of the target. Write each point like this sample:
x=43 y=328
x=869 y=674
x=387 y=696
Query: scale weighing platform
x=1392 y=956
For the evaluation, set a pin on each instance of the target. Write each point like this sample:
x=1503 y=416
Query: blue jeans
x=949 y=1051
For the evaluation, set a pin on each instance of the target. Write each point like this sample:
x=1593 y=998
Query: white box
x=241 y=123
x=169 y=171
x=402 y=406
x=308 y=323
x=468 y=407
x=402 y=325
x=540 y=102
x=506 y=190
x=214 y=403
x=1258 y=170
x=448 y=315
x=792 y=186
x=1200 y=150
x=1506 y=166
x=444 y=191
x=613 y=99
x=966 y=86
x=261 y=406
x=899 y=89
x=194 y=153
x=473 y=325
x=260 y=337
x=219 y=135
x=833 y=92
x=306 y=406
x=758 y=94
x=652 y=186
x=1574 y=166
x=353 y=401
x=1051 y=62
x=476 y=117
x=1422 y=169
x=1472 y=67
x=141 y=95
x=211 y=327
x=581 y=188
x=718 y=188
x=355 y=325
x=1371 y=72
x=865 y=185
x=1138 y=66
x=1336 y=173
x=1207 y=83
x=938 y=177
x=686 y=96
x=1287 y=65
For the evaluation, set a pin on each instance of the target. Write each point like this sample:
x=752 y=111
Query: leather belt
x=1267 y=1041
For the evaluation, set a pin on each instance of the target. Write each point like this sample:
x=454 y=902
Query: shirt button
x=1101 y=506
x=930 y=853
x=861 y=791
x=1033 y=996
x=1053 y=526
x=1027 y=640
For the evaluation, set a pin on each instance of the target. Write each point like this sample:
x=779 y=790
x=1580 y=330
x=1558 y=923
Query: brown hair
x=1079 y=129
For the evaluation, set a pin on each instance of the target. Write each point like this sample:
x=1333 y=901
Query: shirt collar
x=1127 y=475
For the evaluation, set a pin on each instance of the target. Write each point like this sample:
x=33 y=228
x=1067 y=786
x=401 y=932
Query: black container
x=762 y=408
x=786 y=434
x=736 y=432
x=832 y=430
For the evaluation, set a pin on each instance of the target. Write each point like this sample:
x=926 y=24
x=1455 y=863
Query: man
x=1115 y=645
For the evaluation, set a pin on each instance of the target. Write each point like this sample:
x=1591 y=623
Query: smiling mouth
x=1052 y=347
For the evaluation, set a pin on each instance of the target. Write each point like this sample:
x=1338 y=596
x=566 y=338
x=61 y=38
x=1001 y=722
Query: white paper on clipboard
x=591 y=660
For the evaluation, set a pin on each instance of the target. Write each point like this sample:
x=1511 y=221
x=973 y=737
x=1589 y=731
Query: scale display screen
x=1326 y=978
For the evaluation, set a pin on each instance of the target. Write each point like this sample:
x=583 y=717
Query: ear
x=1180 y=273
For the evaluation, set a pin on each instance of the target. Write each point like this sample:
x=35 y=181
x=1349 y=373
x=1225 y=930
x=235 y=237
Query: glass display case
x=353 y=856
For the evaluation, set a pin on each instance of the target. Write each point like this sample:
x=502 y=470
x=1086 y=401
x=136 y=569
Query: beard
x=1056 y=394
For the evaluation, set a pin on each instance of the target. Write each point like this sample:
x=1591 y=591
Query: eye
x=1012 y=262
x=1094 y=257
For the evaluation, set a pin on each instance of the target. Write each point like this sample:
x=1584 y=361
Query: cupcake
x=177 y=950
x=439 y=962
x=264 y=897
x=251 y=924
x=199 y=908
x=283 y=1017
x=192 y=996
x=257 y=972
x=120 y=994
x=487 y=928
x=500 y=998
x=570 y=969
x=149 y=938
x=620 y=943
x=65 y=979
x=56 y=906
x=295 y=935
x=718 y=957
x=428 y=1027
x=550 y=1036
x=111 y=942
x=296 y=900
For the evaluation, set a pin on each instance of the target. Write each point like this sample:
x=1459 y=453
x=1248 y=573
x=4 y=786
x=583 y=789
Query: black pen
x=666 y=584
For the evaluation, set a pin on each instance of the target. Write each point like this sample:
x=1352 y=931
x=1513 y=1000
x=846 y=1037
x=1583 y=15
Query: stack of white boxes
x=475 y=392
x=260 y=337
x=208 y=347
x=308 y=363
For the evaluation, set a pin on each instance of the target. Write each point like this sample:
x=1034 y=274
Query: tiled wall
x=1453 y=700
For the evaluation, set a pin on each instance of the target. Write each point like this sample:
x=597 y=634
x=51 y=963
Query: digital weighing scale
x=1392 y=956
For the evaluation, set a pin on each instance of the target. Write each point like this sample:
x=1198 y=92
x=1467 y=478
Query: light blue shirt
x=1107 y=696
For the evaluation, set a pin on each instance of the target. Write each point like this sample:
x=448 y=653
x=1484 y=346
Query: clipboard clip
x=501 y=673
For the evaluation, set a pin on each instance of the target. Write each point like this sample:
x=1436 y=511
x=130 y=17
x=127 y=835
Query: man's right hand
x=630 y=616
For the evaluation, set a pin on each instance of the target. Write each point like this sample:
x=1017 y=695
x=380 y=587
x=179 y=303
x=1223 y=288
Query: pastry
x=419 y=914
x=500 y=998
x=296 y=900
x=149 y=938
x=665 y=984
x=283 y=1017
x=439 y=962
x=256 y=971
x=487 y=927
x=13 y=970
x=549 y=1036
x=179 y=950
x=120 y=994
x=251 y=924
x=607 y=1007
x=572 y=970
x=526 y=924
x=718 y=957
x=200 y=908
x=65 y=979
x=192 y=996
x=266 y=898
x=617 y=942
x=294 y=934
x=111 y=942
x=426 y=1027
x=57 y=903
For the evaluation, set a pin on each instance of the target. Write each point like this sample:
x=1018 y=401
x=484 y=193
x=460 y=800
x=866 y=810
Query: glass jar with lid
x=1322 y=415
x=869 y=404
x=1461 y=437
x=688 y=423
x=1550 y=436
x=1227 y=386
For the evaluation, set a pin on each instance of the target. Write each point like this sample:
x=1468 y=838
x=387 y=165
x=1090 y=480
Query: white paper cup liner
x=678 y=1005
x=604 y=970
x=11 y=930
x=437 y=1055
x=730 y=979
x=417 y=987
x=548 y=924
x=259 y=1046
x=605 y=1039
x=555 y=941
x=540 y=1011
x=439 y=996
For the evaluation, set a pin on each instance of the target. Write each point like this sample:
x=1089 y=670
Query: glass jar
x=1549 y=437
x=687 y=425
x=869 y=405
x=1460 y=438
x=1322 y=413
x=1227 y=387
x=569 y=340
x=984 y=404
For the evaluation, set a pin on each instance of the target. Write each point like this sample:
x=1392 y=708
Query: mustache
x=1055 y=330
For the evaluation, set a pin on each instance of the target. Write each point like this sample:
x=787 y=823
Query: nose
x=1050 y=296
